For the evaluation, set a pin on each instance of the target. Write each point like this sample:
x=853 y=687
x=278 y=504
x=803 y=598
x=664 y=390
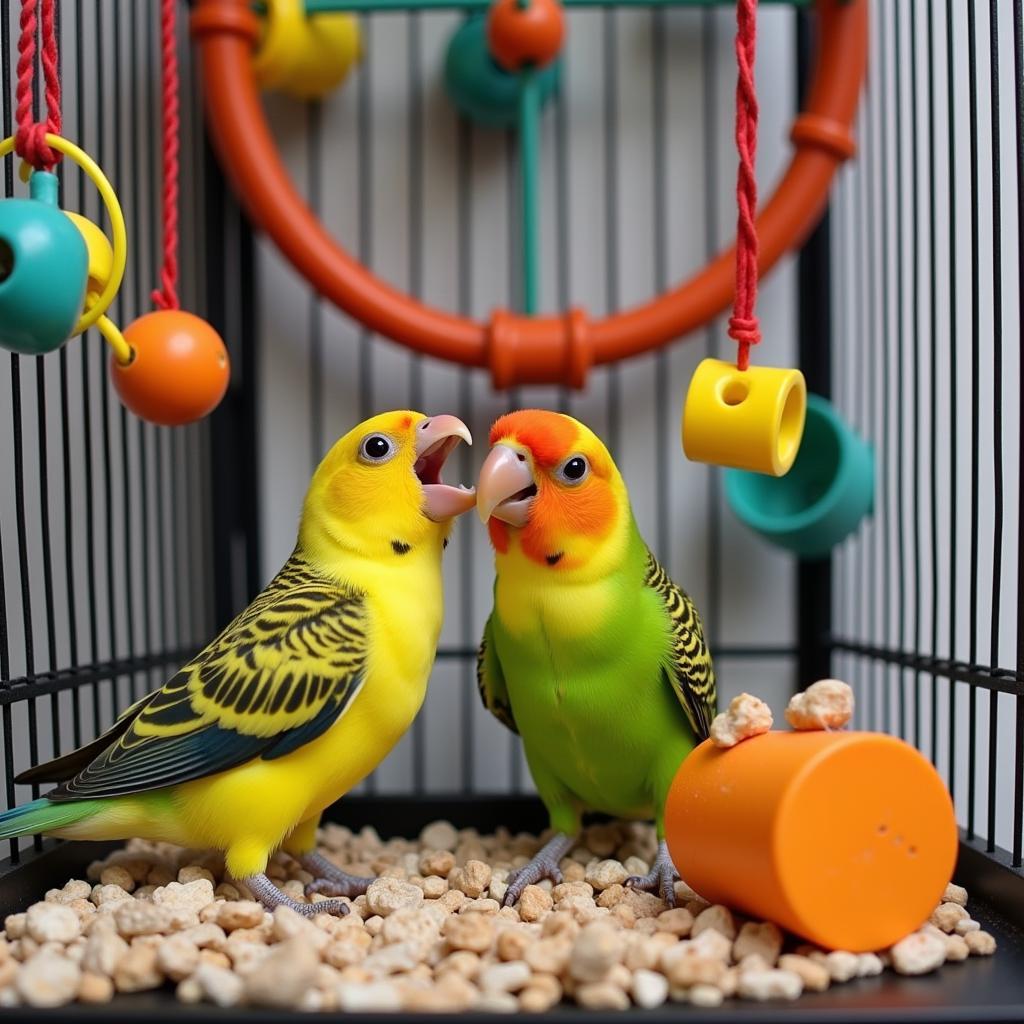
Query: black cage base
x=981 y=989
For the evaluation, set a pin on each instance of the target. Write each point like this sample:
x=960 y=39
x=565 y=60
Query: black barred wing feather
x=277 y=677
x=689 y=668
x=490 y=680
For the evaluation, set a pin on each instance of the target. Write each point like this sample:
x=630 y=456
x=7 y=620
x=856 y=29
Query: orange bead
x=525 y=36
x=180 y=370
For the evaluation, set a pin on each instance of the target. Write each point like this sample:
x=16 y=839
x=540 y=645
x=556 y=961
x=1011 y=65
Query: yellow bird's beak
x=505 y=488
x=436 y=438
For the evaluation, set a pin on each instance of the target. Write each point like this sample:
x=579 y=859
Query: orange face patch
x=560 y=518
x=567 y=522
x=549 y=437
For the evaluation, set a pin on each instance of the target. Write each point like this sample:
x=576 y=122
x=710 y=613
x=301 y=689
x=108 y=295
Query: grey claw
x=661 y=879
x=654 y=882
x=339 y=908
x=331 y=880
x=350 y=886
x=271 y=896
x=544 y=865
x=530 y=874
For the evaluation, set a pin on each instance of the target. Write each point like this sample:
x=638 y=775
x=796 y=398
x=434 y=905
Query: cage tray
x=989 y=989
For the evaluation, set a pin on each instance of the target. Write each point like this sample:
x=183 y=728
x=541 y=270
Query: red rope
x=30 y=140
x=743 y=324
x=166 y=296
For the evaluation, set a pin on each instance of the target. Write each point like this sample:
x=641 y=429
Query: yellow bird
x=302 y=695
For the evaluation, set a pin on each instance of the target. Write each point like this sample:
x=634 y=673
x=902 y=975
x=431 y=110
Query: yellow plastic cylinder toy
x=845 y=838
x=749 y=419
x=304 y=55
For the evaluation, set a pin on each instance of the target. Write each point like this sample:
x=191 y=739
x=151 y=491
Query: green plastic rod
x=529 y=174
x=365 y=6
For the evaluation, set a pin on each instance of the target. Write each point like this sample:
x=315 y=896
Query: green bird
x=591 y=653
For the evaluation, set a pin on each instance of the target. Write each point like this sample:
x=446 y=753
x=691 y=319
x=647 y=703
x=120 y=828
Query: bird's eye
x=376 y=448
x=574 y=470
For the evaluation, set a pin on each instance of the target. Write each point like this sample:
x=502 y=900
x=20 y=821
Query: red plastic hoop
x=519 y=349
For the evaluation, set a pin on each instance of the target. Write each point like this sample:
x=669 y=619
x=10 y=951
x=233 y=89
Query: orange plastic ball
x=179 y=372
x=525 y=36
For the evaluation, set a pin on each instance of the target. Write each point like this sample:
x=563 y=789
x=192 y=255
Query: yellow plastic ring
x=304 y=55
x=117 y=226
x=282 y=38
x=116 y=340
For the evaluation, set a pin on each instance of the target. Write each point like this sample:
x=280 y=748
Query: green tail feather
x=43 y=816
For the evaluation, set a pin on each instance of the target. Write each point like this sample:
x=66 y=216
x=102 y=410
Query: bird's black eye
x=376 y=448
x=574 y=470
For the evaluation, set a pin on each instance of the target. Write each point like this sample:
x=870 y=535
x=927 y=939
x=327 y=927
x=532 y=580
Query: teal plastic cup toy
x=822 y=499
x=44 y=266
x=479 y=88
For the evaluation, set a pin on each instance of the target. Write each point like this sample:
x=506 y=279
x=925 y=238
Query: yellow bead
x=101 y=252
x=305 y=56
x=752 y=419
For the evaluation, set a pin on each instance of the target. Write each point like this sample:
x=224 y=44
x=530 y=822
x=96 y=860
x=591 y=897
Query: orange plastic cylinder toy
x=845 y=838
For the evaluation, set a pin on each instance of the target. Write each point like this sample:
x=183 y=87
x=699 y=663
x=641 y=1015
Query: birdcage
x=125 y=546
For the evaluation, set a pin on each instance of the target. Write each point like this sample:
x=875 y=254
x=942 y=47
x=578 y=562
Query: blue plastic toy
x=822 y=499
x=479 y=87
x=44 y=266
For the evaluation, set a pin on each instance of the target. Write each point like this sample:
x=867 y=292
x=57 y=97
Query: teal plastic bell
x=822 y=499
x=479 y=88
x=44 y=266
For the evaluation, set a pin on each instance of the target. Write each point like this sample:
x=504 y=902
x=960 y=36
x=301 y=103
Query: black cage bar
x=927 y=271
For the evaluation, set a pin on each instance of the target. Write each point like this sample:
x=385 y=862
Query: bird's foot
x=330 y=880
x=544 y=865
x=661 y=879
x=271 y=897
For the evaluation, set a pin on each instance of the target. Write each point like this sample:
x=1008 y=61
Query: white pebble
x=52 y=922
x=386 y=895
x=760 y=937
x=218 y=985
x=376 y=996
x=104 y=950
x=770 y=984
x=606 y=873
x=919 y=953
x=707 y=996
x=441 y=835
x=649 y=988
x=496 y=1002
x=869 y=965
x=507 y=977
x=955 y=894
x=842 y=965
x=48 y=979
x=596 y=949
x=284 y=975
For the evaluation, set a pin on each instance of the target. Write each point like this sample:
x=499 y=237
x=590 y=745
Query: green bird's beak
x=505 y=488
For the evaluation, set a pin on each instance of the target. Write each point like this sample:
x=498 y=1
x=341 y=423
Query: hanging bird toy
x=747 y=417
x=59 y=272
